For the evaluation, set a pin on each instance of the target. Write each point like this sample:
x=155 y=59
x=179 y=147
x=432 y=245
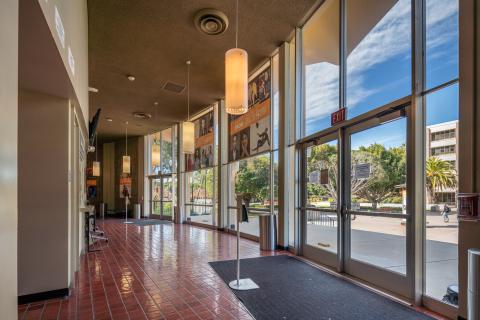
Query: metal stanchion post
x=126 y=210
x=247 y=283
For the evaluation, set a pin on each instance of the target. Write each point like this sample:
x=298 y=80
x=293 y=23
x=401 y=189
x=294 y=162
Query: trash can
x=137 y=211
x=102 y=210
x=268 y=231
x=473 y=284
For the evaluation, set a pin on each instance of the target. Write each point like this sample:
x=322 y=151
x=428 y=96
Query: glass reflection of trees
x=253 y=178
x=387 y=172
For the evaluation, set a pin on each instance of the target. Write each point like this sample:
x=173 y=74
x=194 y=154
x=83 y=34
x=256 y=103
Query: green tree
x=322 y=157
x=253 y=178
x=325 y=157
x=439 y=175
x=387 y=170
x=202 y=185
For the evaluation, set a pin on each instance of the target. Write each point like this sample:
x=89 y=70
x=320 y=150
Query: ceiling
x=153 y=39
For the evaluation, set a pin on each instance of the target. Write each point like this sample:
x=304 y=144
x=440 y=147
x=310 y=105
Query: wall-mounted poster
x=125 y=187
x=203 y=156
x=250 y=133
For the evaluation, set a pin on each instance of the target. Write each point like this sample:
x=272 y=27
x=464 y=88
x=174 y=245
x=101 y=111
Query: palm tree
x=440 y=175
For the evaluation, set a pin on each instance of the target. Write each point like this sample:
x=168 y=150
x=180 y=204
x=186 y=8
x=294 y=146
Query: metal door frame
x=317 y=254
x=391 y=281
x=160 y=216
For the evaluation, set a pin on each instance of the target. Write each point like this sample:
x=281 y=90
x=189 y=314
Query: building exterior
x=442 y=143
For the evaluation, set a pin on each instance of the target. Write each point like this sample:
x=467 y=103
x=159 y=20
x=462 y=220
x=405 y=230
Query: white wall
x=8 y=157
x=74 y=17
x=43 y=193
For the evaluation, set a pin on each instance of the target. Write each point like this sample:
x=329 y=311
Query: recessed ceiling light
x=131 y=78
x=156 y=103
x=142 y=115
x=109 y=119
x=92 y=89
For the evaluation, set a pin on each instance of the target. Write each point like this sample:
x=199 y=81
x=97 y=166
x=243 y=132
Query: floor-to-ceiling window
x=321 y=67
x=253 y=150
x=441 y=148
x=356 y=214
x=201 y=171
x=378 y=53
x=161 y=178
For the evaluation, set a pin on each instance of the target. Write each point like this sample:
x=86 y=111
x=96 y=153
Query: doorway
x=354 y=216
x=161 y=197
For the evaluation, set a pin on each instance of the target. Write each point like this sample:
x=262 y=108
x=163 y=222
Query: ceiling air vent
x=211 y=22
x=173 y=87
x=142 y=115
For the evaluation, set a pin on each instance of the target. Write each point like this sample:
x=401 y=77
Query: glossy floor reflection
x=151 y=272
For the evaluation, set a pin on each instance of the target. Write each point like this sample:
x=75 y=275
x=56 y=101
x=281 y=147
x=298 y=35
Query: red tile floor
x=151 y=272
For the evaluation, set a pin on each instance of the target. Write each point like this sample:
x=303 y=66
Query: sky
x=379 y=71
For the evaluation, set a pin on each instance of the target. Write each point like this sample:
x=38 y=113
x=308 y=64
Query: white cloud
x=390 y=38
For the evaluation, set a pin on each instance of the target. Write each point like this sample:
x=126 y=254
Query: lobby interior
x=331 y=145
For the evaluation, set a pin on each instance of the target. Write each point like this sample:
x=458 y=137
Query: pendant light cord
x=236 y=26
x=126 y=135
x=188 y=90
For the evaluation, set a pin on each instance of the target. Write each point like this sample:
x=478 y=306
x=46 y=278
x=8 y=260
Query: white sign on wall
x=59 y=27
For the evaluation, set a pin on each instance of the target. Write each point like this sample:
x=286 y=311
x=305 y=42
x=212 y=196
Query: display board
x=203 y=156
x=125 y=187
x=250 y=133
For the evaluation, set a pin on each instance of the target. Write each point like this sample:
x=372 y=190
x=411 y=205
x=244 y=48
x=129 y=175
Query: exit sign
x=339 y=116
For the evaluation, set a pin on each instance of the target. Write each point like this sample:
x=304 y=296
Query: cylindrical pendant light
x=236 y=77
x=126 y=157
x=188 y=128
x=96 y=163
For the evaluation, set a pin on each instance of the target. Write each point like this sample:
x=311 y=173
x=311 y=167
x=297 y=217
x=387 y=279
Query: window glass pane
x=199 y=196
x=276 y=98
x=441 y=41
x=155 y=149
x=322 y=175
x=441 y=228
x=250 y=176
x=378 y=53
x=320 y=66
x=156 y=196
x=378 y=186
x=167 y=189
x=166 y=151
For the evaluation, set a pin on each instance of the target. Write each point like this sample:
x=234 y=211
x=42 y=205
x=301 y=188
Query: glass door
x=161 y=197
x=377 y=223
x=320 y=212
x=156 y=193
x=167 y=188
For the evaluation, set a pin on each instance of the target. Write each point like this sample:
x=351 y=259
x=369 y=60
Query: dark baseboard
x=280 y=247
x=29 y=298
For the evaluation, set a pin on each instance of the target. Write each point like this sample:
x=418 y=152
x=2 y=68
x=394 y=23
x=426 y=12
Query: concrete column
x=8 y=156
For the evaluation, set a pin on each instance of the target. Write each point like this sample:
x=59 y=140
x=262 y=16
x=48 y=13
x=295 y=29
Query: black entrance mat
x=150 y=222
x=292 y=289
